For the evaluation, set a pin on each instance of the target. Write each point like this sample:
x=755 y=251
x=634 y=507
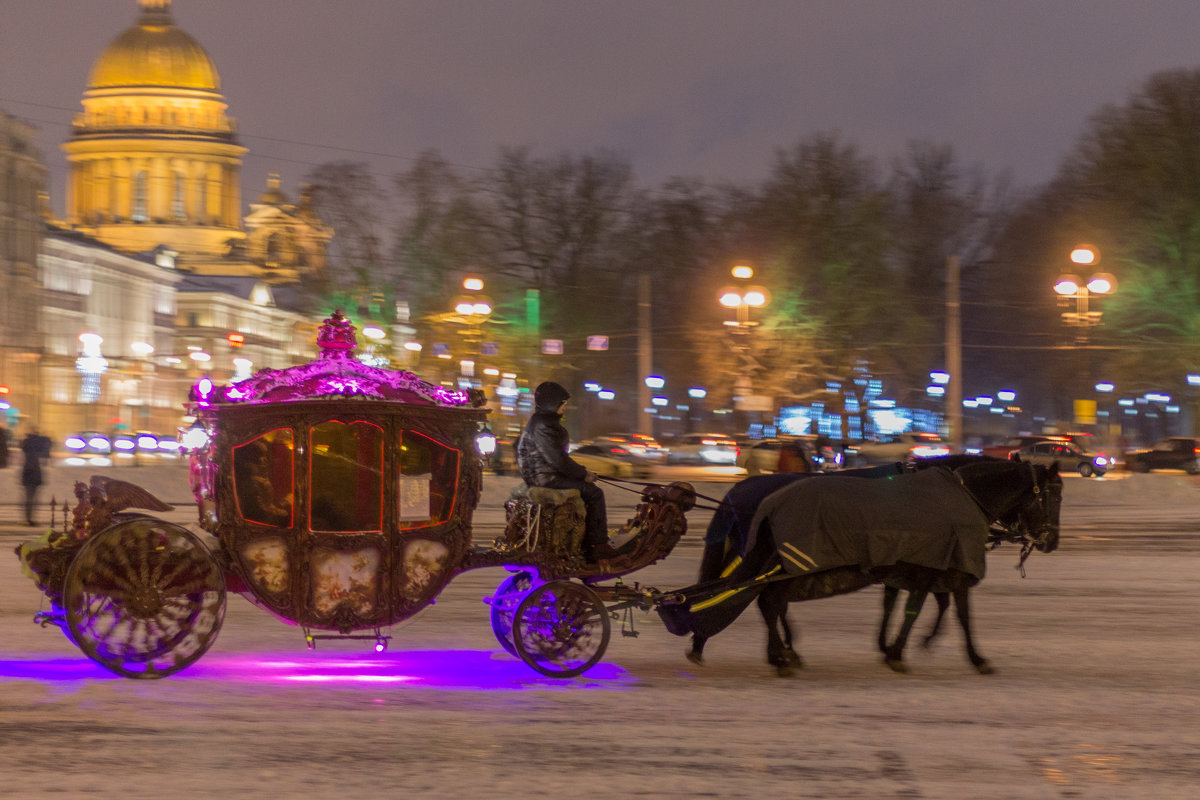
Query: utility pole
x=645 y=356
x=954 y=406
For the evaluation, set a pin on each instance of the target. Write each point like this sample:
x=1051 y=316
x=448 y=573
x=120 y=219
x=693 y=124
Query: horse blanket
x=924 y=518
x=736 y=511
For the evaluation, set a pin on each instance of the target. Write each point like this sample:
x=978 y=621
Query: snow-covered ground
x=1095 y=694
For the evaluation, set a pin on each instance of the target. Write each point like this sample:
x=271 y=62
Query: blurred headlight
x=75 y=443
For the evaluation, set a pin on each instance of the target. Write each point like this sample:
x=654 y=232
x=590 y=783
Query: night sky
x=703 y=88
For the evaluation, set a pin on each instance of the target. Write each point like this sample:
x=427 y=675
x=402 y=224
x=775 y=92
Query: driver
x=543 y=461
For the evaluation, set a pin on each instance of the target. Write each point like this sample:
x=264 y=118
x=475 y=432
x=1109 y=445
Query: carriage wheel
x=144 y=598
x=561 y=629
x=504 y=602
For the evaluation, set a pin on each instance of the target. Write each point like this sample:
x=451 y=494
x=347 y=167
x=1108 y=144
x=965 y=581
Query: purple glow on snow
x=458 y=670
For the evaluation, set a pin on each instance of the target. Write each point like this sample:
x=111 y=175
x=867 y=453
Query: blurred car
x=640 y=444
x=1015 y=443
x=89 y=443
x=776 y=455
x=1068 y=455
x=611 y=460
x=902 y=447
x=1174 y=452
x=703 y=448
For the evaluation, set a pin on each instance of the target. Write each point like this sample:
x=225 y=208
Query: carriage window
x=428 y=480
x=263 y=478
x=346 y=477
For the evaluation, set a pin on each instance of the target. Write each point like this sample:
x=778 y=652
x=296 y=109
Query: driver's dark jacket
x=542 y=451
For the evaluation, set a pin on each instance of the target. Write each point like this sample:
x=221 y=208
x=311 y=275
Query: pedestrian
x=36 y=449
x=543 y=461
x=3 y=446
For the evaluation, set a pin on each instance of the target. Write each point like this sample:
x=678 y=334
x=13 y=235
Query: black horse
x=1022 y=500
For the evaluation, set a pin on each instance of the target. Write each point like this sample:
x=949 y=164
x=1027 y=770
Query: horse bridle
x=1017 y=532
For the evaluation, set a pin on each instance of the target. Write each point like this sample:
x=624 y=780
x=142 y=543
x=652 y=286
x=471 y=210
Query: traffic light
x=3 y=390
x=236 y=339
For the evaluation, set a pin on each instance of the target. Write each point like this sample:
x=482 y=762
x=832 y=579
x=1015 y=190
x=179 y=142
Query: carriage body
x=340 y=516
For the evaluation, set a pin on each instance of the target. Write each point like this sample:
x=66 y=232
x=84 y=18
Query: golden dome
x=155 y=53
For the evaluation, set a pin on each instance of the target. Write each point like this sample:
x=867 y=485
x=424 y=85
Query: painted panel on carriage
x=422 y=567
x=428 y=480
x=346 y=477
x=267 y=563
x=264 y=478
x=348 y=579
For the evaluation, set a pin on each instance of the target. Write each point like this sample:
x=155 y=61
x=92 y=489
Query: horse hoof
x=694 y=657
x=985 y=668
x=793 y=659
x=896 y=665
x=784 y=671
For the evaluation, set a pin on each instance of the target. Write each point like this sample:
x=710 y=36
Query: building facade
x=22 y=179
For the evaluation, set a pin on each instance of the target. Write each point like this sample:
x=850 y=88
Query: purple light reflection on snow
x=470 y=670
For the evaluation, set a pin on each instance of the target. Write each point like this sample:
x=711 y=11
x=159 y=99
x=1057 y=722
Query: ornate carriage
x=339 y=497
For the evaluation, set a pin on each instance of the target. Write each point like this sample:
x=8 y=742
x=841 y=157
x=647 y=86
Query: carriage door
x=346 y=548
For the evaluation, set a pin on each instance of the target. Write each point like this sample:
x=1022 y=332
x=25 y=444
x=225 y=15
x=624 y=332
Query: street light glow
x=655 y=381
x=730 y=298
x=1102 y=283
x=373 y=332
x=473 y=284
x=1067 y=285
x=142 y=348
x=742 y=272
x=1084 y=254
x=756 y=298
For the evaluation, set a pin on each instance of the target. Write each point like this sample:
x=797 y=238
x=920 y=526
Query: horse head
x=1025 y=499
x=1042 y=522
x=1036 y=517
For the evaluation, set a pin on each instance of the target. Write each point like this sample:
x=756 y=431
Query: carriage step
x=47 y=618
x=381 y=640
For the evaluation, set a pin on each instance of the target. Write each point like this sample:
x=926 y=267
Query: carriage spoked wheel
x=144 y=598
x=504 y=602
x=561 y=629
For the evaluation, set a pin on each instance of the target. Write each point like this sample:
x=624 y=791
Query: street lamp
x=742 y=298
x=1071 y=287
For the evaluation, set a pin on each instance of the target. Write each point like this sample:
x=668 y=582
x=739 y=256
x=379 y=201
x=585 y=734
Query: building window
x=140 y=189
x=177 y=207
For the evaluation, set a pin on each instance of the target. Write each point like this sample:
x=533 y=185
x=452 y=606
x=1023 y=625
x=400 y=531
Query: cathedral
x=155 y=161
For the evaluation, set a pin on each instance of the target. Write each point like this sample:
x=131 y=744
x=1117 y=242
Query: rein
x=618 y=484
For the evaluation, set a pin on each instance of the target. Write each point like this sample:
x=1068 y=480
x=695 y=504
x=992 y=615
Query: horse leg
x=789 y=652
x=696 y=654
x=773 y=604
x=962 y=606
x=943 y=602
x=894 y=654
x=890 y=593
x=714 y=559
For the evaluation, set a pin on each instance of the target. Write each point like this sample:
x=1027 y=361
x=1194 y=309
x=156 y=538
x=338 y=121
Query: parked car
x=902 y=447
x=611 y=460
x=703 y=448
x=1068 y=455
x=775 y=455
x=1174 y=452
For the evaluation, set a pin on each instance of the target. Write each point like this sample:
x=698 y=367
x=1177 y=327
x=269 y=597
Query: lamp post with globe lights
x=1076 y=294
x=742 y=297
